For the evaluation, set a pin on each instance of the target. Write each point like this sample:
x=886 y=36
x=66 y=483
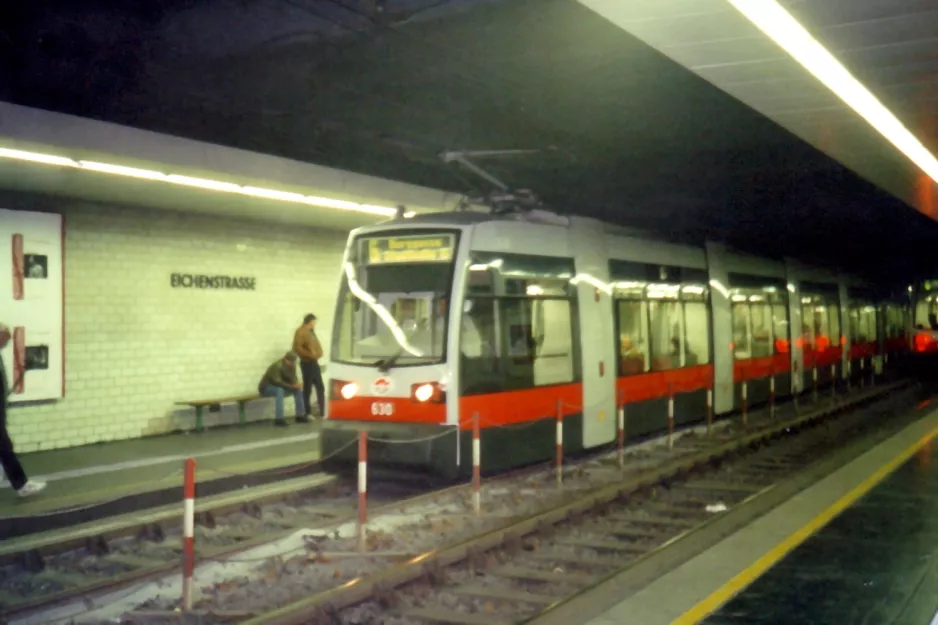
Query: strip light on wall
x=201 y=183
x=780 y=26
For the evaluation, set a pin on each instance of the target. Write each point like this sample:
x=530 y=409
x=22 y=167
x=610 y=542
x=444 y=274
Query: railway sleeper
x=252 y=509
x=499 y=593
x=32 y=561
x=528 y=574
x=152 y=532
x=97 y=546
x=598 y=544
x=662 y=521
x=587 y=562
x=206 y=519
x=444 y=615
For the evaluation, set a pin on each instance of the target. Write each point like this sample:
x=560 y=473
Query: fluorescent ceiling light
x=779 y=25
x=201 y=183
x=36 y=157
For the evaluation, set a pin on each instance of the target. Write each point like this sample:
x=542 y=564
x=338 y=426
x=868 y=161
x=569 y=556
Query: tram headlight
x=423 y=392
x=340 y=389
x=348 y=391
x=431 y=392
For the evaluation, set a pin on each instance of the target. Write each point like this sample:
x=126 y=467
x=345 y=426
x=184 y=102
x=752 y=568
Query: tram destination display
x=435 y=248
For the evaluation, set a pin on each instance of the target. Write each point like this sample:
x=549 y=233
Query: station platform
x=113 y=473
x=859 y=546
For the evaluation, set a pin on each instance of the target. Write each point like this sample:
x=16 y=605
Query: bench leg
x=198 y=419
x=242 y=417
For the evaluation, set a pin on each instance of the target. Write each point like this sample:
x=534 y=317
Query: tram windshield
x=394 y=299
x=926 y=308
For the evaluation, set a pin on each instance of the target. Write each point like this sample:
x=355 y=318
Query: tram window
x=924 y=309
x=516 y=343
x=895 y=323
x=833 y=323
x=780 y=328
x=697 y=333
x=665 y=321
x=760 y=323
x=863 y=324
x=345 y=334
x=753 y=330
x=631 y=317
x=661 y=326
x=741 y=346
x=821 y=326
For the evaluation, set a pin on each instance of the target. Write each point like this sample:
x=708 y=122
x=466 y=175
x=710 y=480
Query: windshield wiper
x=384 y=365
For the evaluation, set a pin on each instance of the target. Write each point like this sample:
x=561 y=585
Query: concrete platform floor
x=94 y=473
x=859 y=546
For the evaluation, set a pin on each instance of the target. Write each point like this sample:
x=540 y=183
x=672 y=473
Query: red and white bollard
x=362 y=487
x=833 y=382
x=476 y=465
x=620 y=431
x=188 y=532
x=670 y=417
x=559 y=460
x=814 y=381
x=772 y=394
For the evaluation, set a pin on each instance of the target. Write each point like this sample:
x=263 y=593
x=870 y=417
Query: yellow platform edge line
x=755 y=570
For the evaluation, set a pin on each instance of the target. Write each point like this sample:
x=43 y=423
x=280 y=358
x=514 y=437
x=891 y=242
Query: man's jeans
x=278 y=394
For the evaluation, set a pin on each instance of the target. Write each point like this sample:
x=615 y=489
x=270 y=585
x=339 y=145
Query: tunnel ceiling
x=623 y=133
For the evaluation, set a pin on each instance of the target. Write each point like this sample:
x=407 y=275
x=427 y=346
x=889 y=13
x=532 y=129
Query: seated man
x=279 y=378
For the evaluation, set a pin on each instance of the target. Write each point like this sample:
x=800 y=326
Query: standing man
x=11 y=465
x=306 y=344
x=279 y=379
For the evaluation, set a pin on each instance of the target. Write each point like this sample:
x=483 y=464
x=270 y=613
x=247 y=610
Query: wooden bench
x=200 y=404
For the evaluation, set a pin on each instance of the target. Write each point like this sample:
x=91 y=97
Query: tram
x=509 y=317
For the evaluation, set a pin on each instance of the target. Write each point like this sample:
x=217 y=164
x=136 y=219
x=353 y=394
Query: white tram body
x=446 y=316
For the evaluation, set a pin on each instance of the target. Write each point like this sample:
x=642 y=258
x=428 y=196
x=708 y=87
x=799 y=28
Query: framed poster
x=32 y=304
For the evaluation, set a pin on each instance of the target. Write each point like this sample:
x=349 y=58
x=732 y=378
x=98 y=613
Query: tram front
x=388 y=370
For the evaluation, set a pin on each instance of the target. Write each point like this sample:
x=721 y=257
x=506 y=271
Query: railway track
x=112 y=568
x=516 y=573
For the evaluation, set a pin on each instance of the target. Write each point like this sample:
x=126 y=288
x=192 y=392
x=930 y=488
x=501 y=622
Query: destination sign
x=437 y=248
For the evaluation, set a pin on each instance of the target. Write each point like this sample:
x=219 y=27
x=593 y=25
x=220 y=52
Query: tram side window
x=863 y=325
x=661 y=326
x=515 y=343
x=925 y=317
x=741 y=343
x=697 y=332
x=633 y=336
x=780 y=328
x=666 y=331
x=833 y=322
x=895 y=324
x=754 y=327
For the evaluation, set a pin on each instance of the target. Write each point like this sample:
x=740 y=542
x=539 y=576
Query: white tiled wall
x=134 y=346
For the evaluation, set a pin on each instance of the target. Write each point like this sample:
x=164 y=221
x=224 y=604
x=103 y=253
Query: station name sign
x=201 y=281
x=437 y=248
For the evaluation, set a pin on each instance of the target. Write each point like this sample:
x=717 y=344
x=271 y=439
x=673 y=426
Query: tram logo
x=381 y=386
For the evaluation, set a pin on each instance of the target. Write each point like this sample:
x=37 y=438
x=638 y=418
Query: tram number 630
x=382 y=409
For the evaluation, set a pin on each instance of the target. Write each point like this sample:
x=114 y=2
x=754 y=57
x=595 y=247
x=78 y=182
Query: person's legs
x=301 y=410
x=307 y=368
x=320 y=389
x=11 y=464
x=277 y=393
